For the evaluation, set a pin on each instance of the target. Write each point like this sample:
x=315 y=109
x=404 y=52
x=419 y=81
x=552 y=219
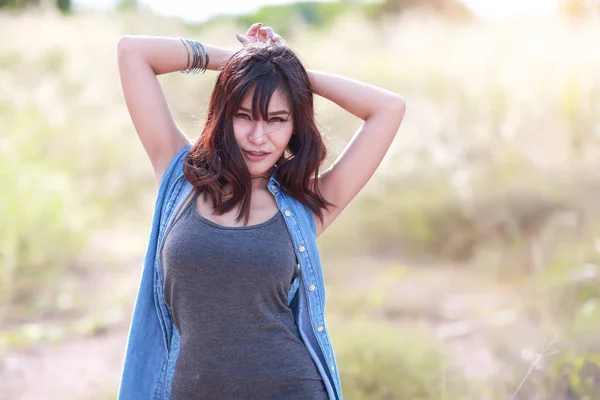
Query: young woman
x=231 y=301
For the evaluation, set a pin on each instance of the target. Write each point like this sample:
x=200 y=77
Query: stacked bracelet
x=199 y=60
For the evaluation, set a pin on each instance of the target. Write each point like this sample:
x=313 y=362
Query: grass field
x=466 y=269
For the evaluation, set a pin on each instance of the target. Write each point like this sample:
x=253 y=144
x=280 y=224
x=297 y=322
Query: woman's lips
x=255 y=156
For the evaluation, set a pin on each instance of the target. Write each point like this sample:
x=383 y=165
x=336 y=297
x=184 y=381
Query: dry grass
x=501 y=130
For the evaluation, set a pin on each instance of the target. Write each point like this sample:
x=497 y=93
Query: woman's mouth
x=255 y=155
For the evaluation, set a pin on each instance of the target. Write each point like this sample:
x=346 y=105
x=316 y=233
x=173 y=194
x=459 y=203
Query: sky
x=191 y=10
x=495 y=9
x=198 y=11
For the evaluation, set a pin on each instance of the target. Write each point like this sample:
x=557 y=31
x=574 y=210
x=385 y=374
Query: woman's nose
x=259 y=133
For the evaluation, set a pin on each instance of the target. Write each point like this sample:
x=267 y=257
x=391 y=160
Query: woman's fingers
x=276 y=39
x=270 y=35
x=253 y=29
x=260 y=33
x=265 y=32
x=242 y=39
x=251 y=34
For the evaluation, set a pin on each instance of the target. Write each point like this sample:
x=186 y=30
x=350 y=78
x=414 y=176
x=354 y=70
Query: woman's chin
x=260 y=172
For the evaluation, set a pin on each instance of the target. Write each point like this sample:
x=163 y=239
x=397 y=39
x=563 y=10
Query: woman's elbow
x=397 y=106
x=126 y=44
x=399 y=103
x=391 y=106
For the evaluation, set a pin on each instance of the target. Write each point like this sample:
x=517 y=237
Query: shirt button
x=332 y=367
x=320 y=328
x=311 y=288
x=301 y=248
x=287 y=213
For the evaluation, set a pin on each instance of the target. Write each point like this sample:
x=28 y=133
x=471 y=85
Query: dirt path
x=85 y=368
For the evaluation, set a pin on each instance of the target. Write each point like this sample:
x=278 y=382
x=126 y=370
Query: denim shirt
x=153 y=343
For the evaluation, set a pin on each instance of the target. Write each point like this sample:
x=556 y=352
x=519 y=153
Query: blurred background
x=466 y=269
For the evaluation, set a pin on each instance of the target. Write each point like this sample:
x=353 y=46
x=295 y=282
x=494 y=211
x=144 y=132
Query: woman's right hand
x=259 y=33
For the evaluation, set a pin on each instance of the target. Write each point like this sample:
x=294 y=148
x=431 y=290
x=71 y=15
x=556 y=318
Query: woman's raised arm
x=382 y=112
x=141 y=59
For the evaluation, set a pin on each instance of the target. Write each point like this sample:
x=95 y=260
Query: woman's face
x=261 y=142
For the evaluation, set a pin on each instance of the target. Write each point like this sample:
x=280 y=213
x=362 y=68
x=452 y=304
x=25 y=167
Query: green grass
x=494 y=173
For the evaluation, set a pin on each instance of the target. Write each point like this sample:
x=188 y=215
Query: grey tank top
x=228 y=288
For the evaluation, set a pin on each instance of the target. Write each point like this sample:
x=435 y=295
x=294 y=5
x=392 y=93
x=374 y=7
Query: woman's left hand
x=259 y=33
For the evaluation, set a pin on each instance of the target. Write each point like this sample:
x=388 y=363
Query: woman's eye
x=244 y=116
x=277 y=119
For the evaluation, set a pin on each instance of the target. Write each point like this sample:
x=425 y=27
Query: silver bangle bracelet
x=199 y=59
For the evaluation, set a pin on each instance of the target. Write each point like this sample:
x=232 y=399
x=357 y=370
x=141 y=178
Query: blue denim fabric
x=153 y=344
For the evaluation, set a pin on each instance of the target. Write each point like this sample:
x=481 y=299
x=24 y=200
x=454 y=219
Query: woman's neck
x=259 y=182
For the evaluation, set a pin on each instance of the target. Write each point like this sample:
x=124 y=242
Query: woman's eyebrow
x=278 y=112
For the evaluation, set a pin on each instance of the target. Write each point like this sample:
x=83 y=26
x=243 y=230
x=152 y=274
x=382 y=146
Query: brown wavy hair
x=216 y=160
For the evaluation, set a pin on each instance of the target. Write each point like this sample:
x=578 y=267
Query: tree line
x=575 y=8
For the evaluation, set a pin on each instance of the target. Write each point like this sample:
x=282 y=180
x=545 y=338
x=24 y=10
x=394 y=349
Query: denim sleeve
x=146 y=352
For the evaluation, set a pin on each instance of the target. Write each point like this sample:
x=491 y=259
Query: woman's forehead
x=278 y=100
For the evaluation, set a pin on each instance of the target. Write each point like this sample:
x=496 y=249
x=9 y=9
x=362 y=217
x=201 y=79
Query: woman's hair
x=215 y=160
